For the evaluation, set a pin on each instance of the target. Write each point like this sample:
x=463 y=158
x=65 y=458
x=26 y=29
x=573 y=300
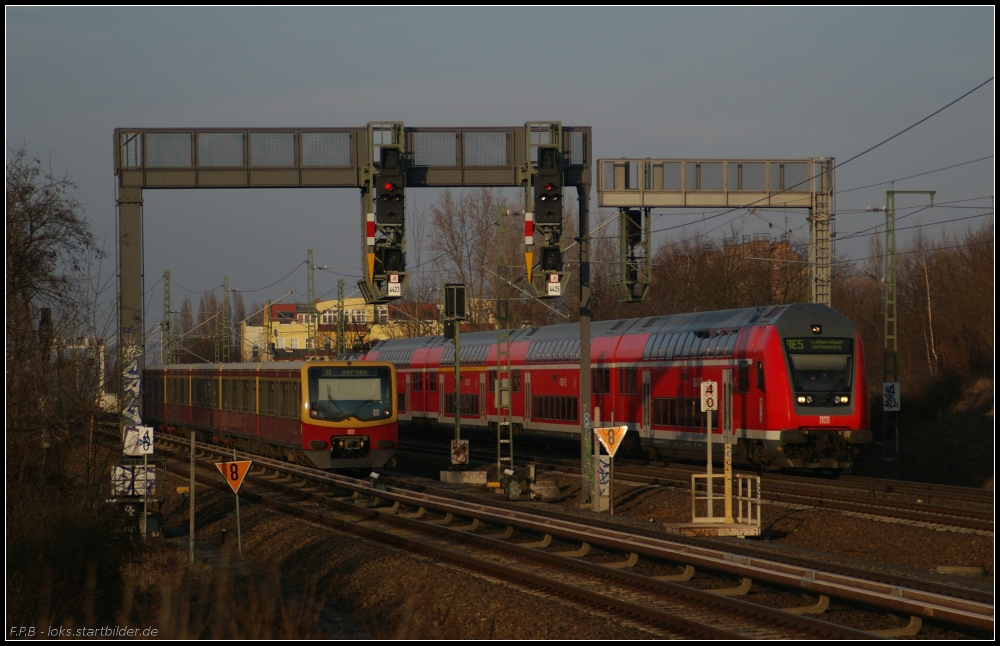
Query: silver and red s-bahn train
x=330 y=414
x=798 y=372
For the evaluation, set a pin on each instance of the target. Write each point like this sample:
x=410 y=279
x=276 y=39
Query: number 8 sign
x=234 y=472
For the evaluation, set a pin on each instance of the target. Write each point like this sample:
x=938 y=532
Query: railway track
x=596 y=566
x=942 y=505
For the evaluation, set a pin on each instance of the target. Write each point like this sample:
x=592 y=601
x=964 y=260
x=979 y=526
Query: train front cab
x=349 y=418
x=814 y=357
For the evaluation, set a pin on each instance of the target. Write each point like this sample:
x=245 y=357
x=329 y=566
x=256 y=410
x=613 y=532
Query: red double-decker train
x=799 y=395
x=331 y=414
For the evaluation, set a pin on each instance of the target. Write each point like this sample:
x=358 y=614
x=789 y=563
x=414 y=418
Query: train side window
x=630 y=380
x=684 y=346
x=744 y=376
x=246 y=402
x=601 y=380
x=671 y=342
x=760 y=375
x=267 y=391
x=731 y=342
x=283 y=398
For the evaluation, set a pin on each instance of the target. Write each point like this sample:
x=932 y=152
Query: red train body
x=799 y=390
x=331 y=414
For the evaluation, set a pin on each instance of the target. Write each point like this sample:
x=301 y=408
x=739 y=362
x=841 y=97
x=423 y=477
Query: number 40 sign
x=709 y=396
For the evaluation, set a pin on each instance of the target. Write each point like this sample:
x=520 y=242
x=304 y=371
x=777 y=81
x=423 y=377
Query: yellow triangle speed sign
x=234 y=472
x=611 y=437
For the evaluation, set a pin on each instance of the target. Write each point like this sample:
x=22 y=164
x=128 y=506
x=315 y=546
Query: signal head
x=551 y=259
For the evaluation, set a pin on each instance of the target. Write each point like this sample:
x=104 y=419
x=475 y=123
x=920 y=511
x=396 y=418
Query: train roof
x=268 y=365
x=787 y=318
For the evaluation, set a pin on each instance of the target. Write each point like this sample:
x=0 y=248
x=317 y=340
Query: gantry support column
x=586 y=439
x=130 y=323
x=820 y=278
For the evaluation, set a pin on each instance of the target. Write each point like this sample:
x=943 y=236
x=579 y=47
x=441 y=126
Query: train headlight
x=801 y=399
x=809 y=399
x=842 y=399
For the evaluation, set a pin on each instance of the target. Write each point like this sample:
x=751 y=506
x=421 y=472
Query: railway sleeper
x=677 y=578
x=545 y=542
x=817 y=608
x=909 y=630
x=738 y=591
x=413 y=514
x=580 y=553
x=389 y=510
x=440 y=521
x=474 y=525
x=632 y=559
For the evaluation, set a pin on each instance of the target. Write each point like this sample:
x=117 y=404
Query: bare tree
x=49 y=250
x=466 y=240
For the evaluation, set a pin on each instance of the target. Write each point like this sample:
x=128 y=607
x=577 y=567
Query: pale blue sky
x=651 y=82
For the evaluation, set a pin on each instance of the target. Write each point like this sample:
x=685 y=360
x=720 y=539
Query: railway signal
x=546 y=220
x=389 y=260
x=389 y=196
x=548 y=187
x=551 y=260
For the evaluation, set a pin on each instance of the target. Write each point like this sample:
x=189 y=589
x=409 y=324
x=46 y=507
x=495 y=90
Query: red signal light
x=389 y=186
x=549 y=186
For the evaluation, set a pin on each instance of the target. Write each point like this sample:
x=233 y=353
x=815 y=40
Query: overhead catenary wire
x=709 y=215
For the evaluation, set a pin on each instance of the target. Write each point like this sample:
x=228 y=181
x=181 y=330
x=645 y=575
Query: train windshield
x=820 y=365
x=341 y=393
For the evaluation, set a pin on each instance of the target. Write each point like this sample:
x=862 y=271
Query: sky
x=665 y=82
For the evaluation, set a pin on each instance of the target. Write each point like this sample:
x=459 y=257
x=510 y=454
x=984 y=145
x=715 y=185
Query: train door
x=482 y=397
x=441 y=396
x=406 y=396
x=527 y=398
x=646 y=432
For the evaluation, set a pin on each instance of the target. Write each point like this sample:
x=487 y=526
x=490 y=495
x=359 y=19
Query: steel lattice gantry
x=187 y=158
x=634 y=185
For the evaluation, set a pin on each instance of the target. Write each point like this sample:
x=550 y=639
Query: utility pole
x=268 y=355
x=311 y=304
x=341 y=323
x=169 y=344
x=223 y=339
x=890 y=378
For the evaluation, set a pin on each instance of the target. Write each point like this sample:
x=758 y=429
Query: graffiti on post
x=131 y=383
